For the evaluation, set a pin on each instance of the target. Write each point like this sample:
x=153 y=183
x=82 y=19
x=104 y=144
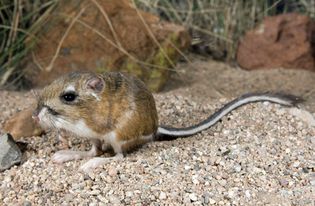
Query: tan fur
x=124 y=106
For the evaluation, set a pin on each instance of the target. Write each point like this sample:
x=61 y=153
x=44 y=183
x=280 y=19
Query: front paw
x=90 y=165
x=64 y=156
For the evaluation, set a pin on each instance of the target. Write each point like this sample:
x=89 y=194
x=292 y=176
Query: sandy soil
x=204 y=80
x=260 y=154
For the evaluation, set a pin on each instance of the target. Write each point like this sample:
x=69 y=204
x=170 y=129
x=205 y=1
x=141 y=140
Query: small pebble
x=187 y=167
x=296 y=164
x=247 y=194
x=27 y=203
x=283 y=182
x=162 y=196
x=212 y=201
x=129 y=194
x=193 y=197
x=237 y=168
x=112 y=171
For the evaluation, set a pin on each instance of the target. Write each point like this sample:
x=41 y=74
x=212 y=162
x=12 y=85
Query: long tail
x=168 y=133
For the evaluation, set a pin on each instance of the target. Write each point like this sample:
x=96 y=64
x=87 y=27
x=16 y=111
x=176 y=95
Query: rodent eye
x=69 y=97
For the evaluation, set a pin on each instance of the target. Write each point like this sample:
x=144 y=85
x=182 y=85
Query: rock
x=247 y=194
x=27 y=203
x=283 y=182
x=193 y=197
x=114 y=200
x=212 y=201
x=129 y=194
x=296 y=164
x=206 y=198
x=195 y=179
x=162 y=196
x=237 y=167
x=187 y=167
x=112 y=171
x=231 y=193
x=109 y=35
x=21 y=124
x=279 y=41
x=10 y=153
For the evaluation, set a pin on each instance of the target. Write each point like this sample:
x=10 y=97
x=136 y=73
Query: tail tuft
x=292 y=99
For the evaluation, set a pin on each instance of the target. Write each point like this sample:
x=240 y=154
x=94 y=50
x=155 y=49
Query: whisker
x=35 y=94
x=53 y=123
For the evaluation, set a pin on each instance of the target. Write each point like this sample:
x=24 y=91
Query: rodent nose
x=36 y=118
x=35 y=115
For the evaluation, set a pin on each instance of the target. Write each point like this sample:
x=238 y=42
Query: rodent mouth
x=51 y=111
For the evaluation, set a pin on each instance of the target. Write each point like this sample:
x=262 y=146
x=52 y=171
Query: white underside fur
x=78 y=128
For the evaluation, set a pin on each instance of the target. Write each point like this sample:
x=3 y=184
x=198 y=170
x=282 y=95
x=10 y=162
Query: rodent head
x=64 y=103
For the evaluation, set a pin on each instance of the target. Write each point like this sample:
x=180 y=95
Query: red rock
x=21 y=124
x=93 y=43
x=286 y=41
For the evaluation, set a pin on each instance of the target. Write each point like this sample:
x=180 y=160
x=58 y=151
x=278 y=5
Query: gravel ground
x=260 y=154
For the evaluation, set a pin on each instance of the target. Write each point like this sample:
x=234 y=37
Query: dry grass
x=215 y=24
x=20 y=22
x=218 y=24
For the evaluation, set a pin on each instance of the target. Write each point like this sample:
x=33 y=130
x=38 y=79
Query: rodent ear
x=95 y=83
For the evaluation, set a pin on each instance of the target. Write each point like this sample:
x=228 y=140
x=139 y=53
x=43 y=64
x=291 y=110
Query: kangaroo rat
x=117 y=110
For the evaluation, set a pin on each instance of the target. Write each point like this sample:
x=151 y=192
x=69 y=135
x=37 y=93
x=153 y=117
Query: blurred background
x=209 y=48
